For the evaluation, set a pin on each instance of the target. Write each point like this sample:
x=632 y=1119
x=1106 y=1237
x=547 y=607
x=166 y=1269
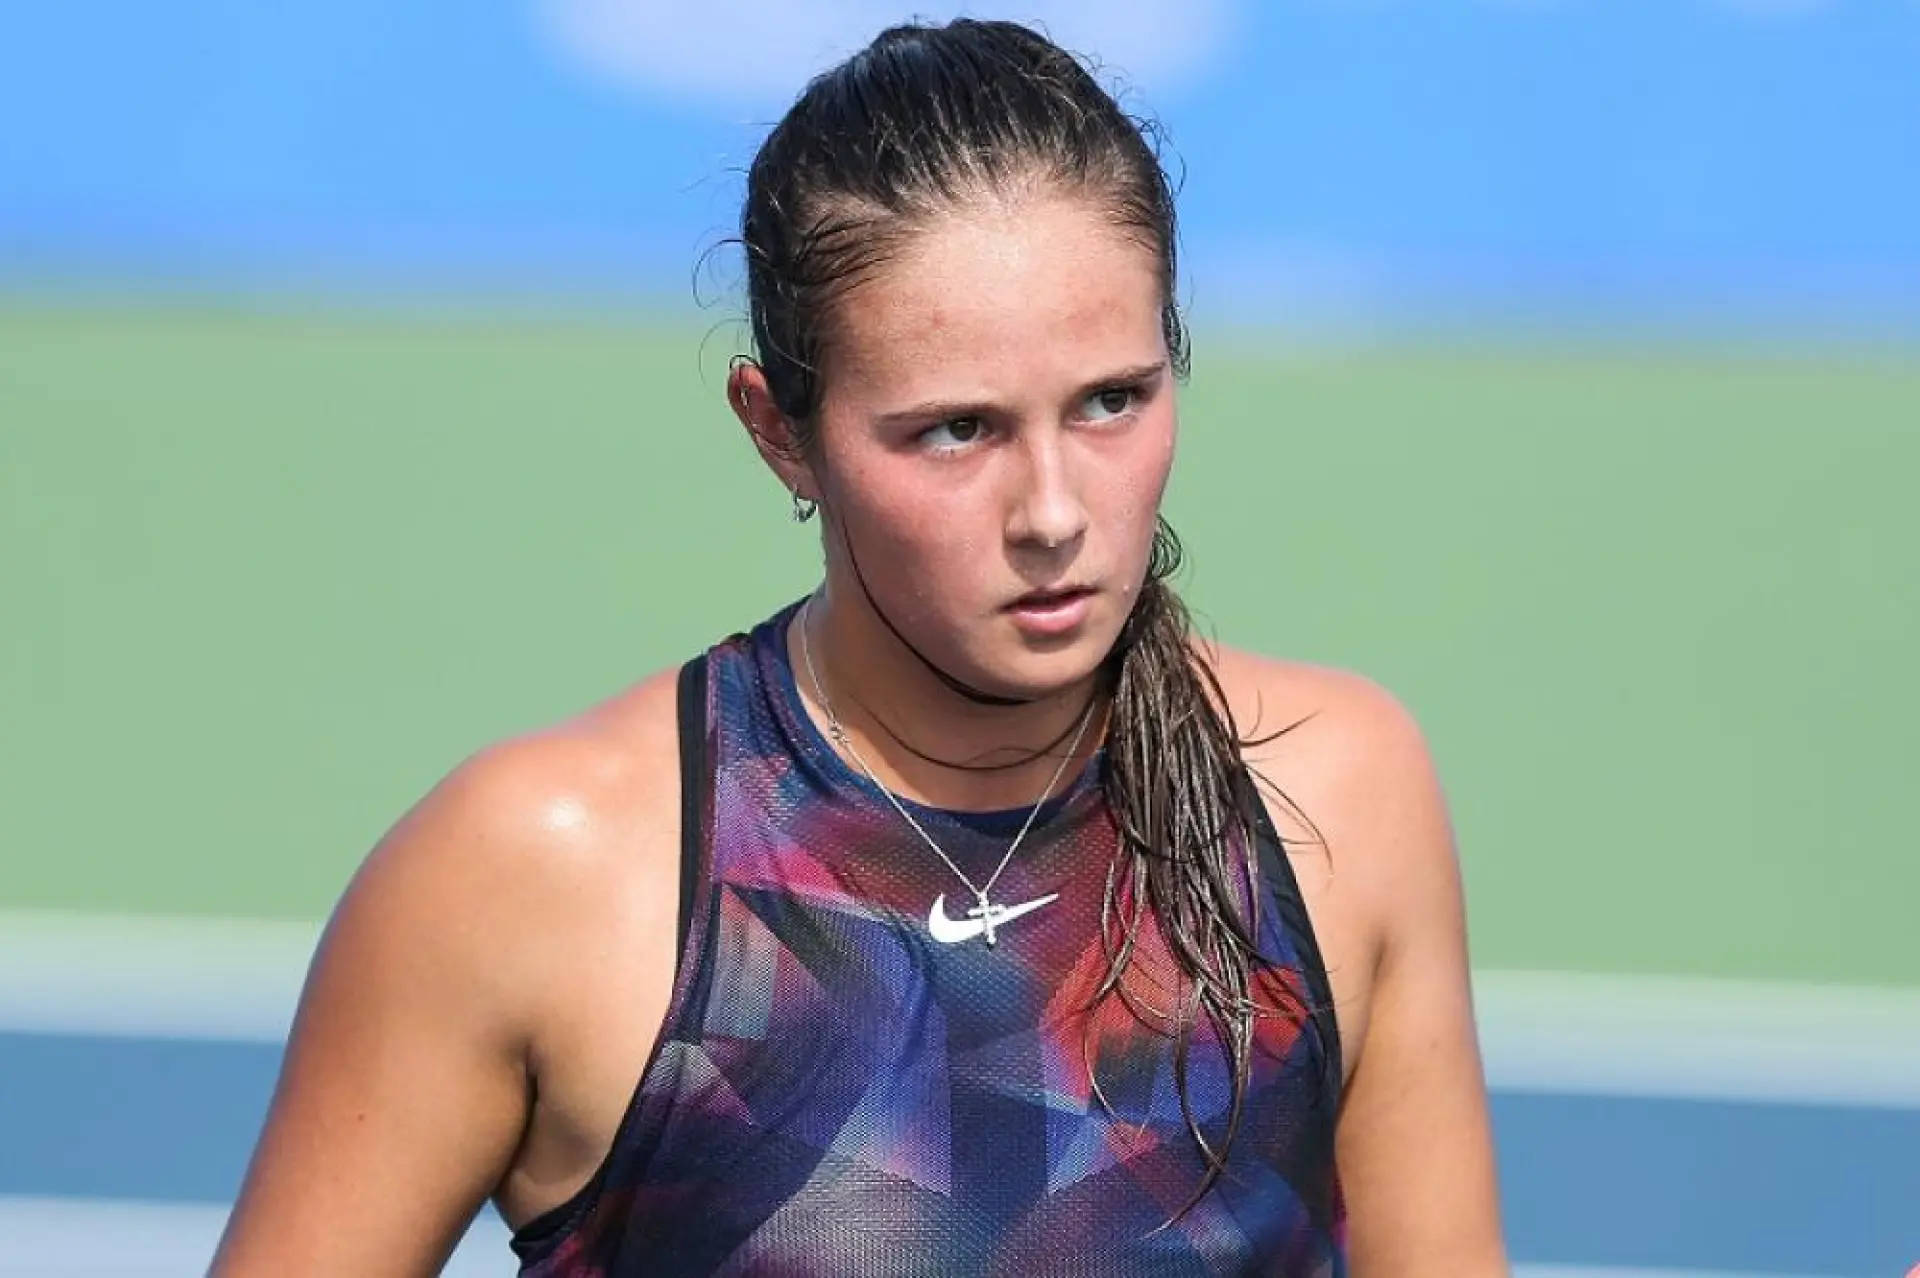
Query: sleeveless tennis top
x=834 y=1093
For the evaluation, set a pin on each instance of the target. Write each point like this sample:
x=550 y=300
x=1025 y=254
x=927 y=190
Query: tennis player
x=968 y=916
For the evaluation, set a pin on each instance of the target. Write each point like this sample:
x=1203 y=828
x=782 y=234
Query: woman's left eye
x=1105 y=405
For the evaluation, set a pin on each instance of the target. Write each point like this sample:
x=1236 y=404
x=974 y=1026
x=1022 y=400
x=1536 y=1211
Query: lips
x=1052 y=615
x=1053 y=598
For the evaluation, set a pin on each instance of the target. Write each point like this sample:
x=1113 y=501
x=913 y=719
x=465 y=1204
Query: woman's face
x=995 y=431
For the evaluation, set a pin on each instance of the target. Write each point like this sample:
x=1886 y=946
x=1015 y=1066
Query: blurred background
x=360 y=403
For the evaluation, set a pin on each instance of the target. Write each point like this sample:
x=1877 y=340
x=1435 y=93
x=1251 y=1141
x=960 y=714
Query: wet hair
x=924 y=121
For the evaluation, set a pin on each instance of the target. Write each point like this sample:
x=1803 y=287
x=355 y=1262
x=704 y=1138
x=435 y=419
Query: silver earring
x=803 y=508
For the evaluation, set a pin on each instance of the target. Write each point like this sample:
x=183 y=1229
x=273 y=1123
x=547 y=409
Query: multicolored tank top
x=836 y=1093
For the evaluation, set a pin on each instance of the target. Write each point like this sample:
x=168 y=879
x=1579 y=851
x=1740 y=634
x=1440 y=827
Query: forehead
x=998 y=292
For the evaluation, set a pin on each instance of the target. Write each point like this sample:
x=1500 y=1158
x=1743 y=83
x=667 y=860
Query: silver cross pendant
x=988 y=914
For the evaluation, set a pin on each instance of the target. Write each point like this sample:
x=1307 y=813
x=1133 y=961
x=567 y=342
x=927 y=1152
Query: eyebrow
x=943 y=409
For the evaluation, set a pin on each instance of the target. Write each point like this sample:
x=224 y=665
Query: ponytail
x=1187 y=814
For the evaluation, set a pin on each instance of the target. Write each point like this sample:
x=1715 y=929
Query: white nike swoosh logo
x=949 y=931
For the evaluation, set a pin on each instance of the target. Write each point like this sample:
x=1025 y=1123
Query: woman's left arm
x=1414 y=1145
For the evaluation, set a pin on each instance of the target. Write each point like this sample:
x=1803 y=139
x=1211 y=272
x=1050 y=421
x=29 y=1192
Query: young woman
x=967 y=917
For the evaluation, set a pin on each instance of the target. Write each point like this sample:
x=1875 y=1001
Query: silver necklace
x=985 y=916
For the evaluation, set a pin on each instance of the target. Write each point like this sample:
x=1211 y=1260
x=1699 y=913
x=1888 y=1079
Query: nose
x=1049 y=513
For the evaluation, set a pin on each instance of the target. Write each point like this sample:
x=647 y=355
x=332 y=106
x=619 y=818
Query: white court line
x=1696 y=1038
x=152 y=976
x=91 y=1237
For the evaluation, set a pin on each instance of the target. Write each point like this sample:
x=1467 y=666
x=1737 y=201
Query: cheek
x=913 y=529
x=1139 y=480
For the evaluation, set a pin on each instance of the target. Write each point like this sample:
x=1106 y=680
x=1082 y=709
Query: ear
x=751 y=400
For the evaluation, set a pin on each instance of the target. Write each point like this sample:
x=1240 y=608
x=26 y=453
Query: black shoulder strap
x=1293 y=912
x=692 y=709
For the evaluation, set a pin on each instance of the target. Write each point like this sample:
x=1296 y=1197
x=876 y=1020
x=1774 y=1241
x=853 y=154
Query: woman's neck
x=921 y=738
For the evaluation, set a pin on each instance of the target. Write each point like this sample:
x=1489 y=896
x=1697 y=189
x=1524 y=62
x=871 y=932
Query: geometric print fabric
x=836 y=1094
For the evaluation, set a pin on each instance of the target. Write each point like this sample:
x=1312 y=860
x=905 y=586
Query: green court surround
x=265 y=575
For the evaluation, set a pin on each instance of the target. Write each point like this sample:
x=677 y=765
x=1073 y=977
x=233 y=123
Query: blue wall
x=1705 y=156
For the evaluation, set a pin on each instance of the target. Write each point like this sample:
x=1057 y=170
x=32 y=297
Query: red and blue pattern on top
x=836 y=1094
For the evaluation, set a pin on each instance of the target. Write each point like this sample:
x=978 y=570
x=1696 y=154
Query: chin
x=1039 y=666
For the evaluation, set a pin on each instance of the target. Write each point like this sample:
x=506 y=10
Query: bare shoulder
x=448 y=973
x=1380 y=877
x=1349 y=783
x=534 y=834
x=542 y=802
x=1333 y=734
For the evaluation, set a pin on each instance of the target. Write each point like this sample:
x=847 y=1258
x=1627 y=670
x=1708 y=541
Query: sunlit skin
x=998 y=417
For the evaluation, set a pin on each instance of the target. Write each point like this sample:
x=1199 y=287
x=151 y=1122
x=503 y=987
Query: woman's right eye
x=953 y=434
